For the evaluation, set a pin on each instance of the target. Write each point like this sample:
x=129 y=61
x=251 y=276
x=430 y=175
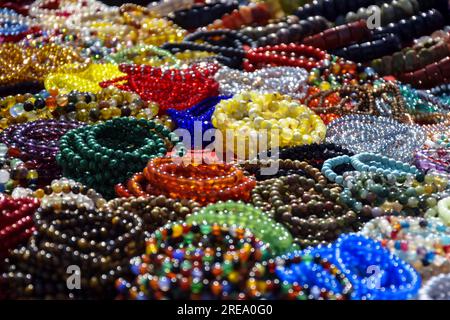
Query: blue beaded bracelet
x=198 y=116
x=375 y=273
x=367 y=162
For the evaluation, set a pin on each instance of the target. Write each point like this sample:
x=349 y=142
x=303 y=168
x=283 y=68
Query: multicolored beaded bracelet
x=423 y=242
x=190 y=261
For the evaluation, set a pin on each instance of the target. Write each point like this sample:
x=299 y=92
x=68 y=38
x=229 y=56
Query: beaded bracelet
x=375 y=273
x=437 y=288
x=230 y=213
x=205 y=262
x=281 y=279
x=383 y=99
x=366 y=133
x=307 y=206
x=103 y=155
x=86 y=107
x=290 y=81
x=389 y=12
x=197 y=117
x=14 y=173
x=330 y=9
x=315 y=154
x=250 y=112
x=424 y=243
x=411 y=58
x=199 y=15
x=195 y=82
x=339 y=36
x=272 y=168
x=380 y=45
x=253 y=14
x=292 y=30
x=323 y=279
x=443 y=210
x=429 y=76
x=16 y=222
x=204 y=183
x=36 y=143
x=99 y=243
x=86 y=80
x=155 y=211
x=138 y=50
x=306 y=57
x=18 y=68
x=418 y=25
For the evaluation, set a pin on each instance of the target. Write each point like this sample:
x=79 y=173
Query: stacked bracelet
x=103 y=155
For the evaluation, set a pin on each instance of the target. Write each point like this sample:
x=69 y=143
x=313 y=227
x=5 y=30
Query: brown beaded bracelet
x=155 y=211
x=307 y=204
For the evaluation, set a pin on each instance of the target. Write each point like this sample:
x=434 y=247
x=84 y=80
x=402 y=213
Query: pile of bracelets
x=14 y=172
x=307 y=204
x=104 y=154
x=37 y=143
x=16 y=222
x=201 y=182
x=168 y=88
x=374 y=272
x=155 y=211
x=300 y=277
x=424 y=243
x=245 y=215
x=195 y=118
x=99 y=244
x=191 y=261
x=224 y=150
x=285 y=122
x=366 y=133
x=289 y=81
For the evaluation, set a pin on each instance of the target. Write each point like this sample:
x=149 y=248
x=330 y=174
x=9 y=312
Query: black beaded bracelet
x=315 y=154
x=419 y=25
x=380 y=45
x=202 y=14
x=331 y=9
x=226 y=38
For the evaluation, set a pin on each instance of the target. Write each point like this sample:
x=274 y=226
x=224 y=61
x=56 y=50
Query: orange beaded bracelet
x=204 y=183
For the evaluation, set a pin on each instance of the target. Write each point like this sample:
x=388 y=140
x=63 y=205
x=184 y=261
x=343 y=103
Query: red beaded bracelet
x=430 y=76
x=306 y=57
x=16 y=222
x=172 y=89
x=340 y=36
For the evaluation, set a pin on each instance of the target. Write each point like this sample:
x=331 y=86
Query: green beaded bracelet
x=105 y=154
x=245 y=215
x=121 y=56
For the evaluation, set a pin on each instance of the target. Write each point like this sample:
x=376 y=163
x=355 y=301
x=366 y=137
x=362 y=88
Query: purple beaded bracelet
x=36 y=143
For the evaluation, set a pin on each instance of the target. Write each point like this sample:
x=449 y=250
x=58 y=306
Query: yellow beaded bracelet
x=284 y=121
x=86 y=80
